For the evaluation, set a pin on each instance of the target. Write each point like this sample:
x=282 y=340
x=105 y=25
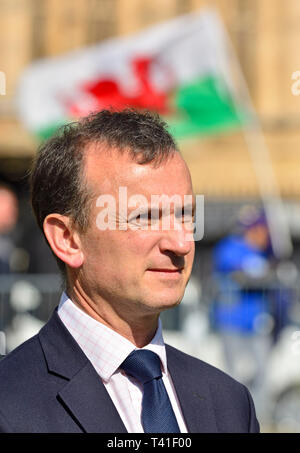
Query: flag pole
x=260 y=155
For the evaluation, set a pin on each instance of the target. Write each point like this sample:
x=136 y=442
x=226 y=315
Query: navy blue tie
x=157 y=412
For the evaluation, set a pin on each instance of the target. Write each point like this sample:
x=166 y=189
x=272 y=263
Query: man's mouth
x=167 y=271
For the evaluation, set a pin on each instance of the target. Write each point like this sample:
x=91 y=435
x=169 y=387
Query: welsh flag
x=178 y=68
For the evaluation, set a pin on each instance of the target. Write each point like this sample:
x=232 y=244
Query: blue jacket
x=237 y=309
x=48 y=385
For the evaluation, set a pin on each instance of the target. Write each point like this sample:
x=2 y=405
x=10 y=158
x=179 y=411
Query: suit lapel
x=193 y=393
x=87 y=399
x=82 y=392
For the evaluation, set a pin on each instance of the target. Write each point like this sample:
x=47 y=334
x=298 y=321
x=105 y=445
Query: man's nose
x=176 y=241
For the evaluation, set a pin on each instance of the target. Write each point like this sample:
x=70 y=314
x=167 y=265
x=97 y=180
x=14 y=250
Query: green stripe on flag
x=203 y=107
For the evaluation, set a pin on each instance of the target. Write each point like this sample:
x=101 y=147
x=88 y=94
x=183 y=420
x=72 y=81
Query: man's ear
x=63 y=239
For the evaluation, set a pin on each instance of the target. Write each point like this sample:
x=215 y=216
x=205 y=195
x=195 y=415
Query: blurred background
x=241 y=310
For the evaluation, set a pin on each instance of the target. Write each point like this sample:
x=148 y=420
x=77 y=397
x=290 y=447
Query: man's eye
x=143 y=217
x=185 y=217
x=140 y=218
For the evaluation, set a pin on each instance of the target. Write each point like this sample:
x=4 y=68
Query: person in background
x=241 y=312
x=8 y=220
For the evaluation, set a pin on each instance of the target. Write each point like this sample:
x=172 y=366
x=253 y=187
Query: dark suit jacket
x=47 y=384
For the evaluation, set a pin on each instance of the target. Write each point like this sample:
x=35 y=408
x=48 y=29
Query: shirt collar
x=105 y=348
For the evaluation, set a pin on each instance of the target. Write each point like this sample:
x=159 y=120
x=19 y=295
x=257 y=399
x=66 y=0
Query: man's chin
x=162 y=303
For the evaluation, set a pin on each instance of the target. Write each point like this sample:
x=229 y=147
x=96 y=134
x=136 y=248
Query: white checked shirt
x=106 y=350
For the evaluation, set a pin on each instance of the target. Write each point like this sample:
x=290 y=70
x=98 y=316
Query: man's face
x=258 y=236
x=135 y=269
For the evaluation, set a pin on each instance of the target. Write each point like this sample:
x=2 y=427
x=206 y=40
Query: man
x=100 y=363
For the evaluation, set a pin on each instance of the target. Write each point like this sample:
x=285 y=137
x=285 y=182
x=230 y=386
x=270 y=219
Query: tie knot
x=143 y=365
